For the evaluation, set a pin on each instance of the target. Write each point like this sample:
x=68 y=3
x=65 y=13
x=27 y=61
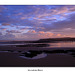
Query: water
x=62 y=44
x=12 y=44
x=52 y=45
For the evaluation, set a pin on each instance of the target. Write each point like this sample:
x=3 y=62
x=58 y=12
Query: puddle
x=38 y=56
x=11 y=51
x=34 y=54
x=41 y=54
x=3 y=51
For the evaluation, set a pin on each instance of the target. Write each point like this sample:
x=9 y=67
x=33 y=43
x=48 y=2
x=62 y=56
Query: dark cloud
x=69 y=22
x=59 y=25
x=0 y=33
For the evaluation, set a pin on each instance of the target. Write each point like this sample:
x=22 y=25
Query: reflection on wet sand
x=62 y=44
x=31 y=54
x=35 y=54
x=33 y=45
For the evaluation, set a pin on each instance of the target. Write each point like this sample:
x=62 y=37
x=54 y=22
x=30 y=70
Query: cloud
x=30 y=12
x=5 y=24
x=58 y=35
x=38 y=21
x=60 y=25
x=7 y=36
x=38 y=35
x=71 y=8
x=23 y=18
x=2 y=8
x=42 y=32
x=69 y=22
x=13 y=31
x=60 y=10
x=0 y=33
x=3 y=29
x=31 y=31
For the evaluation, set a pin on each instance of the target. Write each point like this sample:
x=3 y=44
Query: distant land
x=40 y=40
x=54 y=40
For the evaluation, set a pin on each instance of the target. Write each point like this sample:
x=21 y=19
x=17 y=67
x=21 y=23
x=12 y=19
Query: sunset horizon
x=37 y=35
x=33 y=22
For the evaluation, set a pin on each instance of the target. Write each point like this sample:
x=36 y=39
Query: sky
x=33 y=22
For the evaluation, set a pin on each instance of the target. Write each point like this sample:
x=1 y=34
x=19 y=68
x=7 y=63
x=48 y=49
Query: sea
x=51 y=45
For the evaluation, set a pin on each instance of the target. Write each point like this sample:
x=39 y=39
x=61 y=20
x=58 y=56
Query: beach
x=10 y=56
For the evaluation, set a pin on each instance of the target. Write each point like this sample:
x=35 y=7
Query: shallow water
x=12 y=44
x=38 y=56
x=51 y=45
x=35 y=54
x=62 y=44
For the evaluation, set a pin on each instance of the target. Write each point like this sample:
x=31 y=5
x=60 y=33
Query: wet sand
x=12 y=58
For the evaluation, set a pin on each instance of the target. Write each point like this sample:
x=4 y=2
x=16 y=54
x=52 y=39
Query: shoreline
x=12 y=58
